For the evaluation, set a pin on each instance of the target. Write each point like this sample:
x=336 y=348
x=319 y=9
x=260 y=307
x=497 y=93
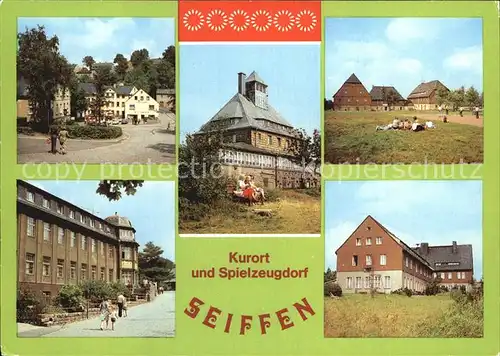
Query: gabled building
x=424 y=96
x=373 y=257
x=166 y=98
x=257 y=139
x=387 y=98
x=352 y=96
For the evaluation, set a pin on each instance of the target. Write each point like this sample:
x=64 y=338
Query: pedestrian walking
x=63 y=137
x=476 y=109
x=125 y=307
x=120 y=301
x=461 y=110
x=53 y=139
x=447 y=110
x=104 y=309
x=113 y=317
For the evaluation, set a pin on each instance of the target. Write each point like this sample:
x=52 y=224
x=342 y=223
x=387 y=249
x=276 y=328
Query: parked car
x=124 y=121
x=115 y=122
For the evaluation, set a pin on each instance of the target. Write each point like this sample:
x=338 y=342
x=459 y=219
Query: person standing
x=104 y=309
x=461 y=110
x=53 y=139
x=120 y=302
x=63 y=137
x=476 y=110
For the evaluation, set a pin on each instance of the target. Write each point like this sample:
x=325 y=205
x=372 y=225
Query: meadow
x=350 y=137
x=392 y=315
x=293 y=212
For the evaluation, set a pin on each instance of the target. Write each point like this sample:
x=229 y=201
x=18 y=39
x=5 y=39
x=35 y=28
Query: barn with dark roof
x=424 y=96
x=257 y=138
x=352 y=96
x=386 y=98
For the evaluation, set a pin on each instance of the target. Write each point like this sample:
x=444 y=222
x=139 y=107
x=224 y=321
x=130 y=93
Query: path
x=140 y=144
x=154 y=319
x=455 y=118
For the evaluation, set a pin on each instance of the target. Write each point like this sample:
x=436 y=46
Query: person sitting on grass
x=240 y=187
x=416 y=126
x=395 y=123
x=445 y=119
x=407 y=125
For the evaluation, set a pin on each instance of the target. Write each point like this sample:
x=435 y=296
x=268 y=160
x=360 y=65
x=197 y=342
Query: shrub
x=332 y=289
x=403 y=291
x=96 y=291
x=30 y=305
x=120 y=288
x=192 y=212
x=433 y=287
x=313 y=192
x=273 y=194
x=71 y=297
x=94 y=132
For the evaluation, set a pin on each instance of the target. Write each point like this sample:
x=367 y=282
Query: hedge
x=94 y=132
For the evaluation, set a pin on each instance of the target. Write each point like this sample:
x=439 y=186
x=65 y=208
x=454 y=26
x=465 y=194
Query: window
x=349 y=282
x=407 y=262
x=411 y=264
x=355 y=260
x=126 y=253
x=368 y=241
x=60 y=236
x=387 y=282
x=103 y=274
x=91 y=222
x=127 y=277
x=72 y=271
x=442 y=275
x=151 y=107
x=73 y=239
x=234 y=138
x=368 y=260
x=102 y=248
x=367 y=282
x=449 y=275
x=358 y=282
x=31 y=227
x=30 y=263
x=463 y=275
x=60 y=268
x=30 y=196
x=279 y=142
x=83 y=271
x=46 y=266
x=71 y=214
x=259 y=136
x=110 y=275
x=94 y=245
x=81 y=218
x=131 y=107
x=378 y=241
x=84 y=242
x=46 y=203
x=377 y=281
x=60 y=208
x=94 y=273
x=383 y=260
x=111 y=251
x=358 y=242
x=46 y=231
x=269 y=140
x=434 y=275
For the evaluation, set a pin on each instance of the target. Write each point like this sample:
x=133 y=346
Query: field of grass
x=351 y=137
x=294 y=212
x=359 y=315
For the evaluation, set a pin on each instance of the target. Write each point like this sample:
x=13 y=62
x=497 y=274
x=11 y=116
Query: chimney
x=241 y=83
x=424 y=248
x=454 y=247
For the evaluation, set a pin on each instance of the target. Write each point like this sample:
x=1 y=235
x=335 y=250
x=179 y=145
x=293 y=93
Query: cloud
x=335 y=236
x=465 y=59
x=408 y=30
x=96 y=33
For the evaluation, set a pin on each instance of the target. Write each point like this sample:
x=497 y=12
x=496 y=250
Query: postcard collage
x=202 y=177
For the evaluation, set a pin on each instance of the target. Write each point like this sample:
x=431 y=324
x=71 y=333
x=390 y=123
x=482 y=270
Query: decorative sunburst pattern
x=306 y=20
x=239 y=20
x=261 y=20
x=216 y=20
x=193 y=20
x=283 y=20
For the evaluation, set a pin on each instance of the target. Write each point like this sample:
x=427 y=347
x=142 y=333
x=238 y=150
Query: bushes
x=273 y=194
x=94 y=132
x=332 y=289
x=403 y=291
x=313 y=192
x=30 y=305
x=71 y=297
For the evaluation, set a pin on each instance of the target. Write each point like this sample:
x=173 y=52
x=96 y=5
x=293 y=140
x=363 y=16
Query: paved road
x=140 y=144
x=154 y=319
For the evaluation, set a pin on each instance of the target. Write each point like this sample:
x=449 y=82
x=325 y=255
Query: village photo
x=96 y=90
x=94 y=260
x=250 y=151
x=403 y=259
x=403 y=90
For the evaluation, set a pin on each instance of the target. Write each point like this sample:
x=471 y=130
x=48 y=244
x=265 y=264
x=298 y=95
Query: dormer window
x=30 y=196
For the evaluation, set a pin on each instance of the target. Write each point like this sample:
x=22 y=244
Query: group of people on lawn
x=414 y=125
x=246 y=187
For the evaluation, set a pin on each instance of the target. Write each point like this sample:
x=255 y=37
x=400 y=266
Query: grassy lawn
x=351 y=137
x=359 y=315
x=294 y=213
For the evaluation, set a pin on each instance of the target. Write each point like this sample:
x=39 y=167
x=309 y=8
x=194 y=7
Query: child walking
x=113 y=316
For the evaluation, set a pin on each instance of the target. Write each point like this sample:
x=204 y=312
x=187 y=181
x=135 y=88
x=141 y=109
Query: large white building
x=124 y=102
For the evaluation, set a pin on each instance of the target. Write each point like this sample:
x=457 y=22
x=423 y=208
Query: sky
x=102 y=38
x=437 y=212
x=153 y=221
x=209 y=78
x=403 y=52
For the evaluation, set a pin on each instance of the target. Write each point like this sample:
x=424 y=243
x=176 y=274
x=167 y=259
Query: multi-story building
x=424 y=96
x=374 y=258
x=60 y=243
x=123 y=101
x=352 y=96
x=257 y=139
x=166 y=98
x=61 y=105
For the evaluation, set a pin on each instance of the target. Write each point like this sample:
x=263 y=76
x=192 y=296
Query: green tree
x=305 y=150
x=44 y=70
x=138 y=57
x=153 y=265
x=165 y=74
x=113 y=189
x=330 y=275
x=89 y=62
x=169 y=56
x=138 y=78
x=442 y=96
x=79 y=103
x=472 y=97
x=121 y=65
x=102 y=80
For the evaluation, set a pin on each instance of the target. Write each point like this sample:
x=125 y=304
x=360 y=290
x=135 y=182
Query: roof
x=254 y=77
x=165 y=91
x=443 y=255
x=248 y=115
x=120 y=221
x=377 y=93
x=124 y=90
x=424 y=90
x=353 y=79
x=88 y=88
